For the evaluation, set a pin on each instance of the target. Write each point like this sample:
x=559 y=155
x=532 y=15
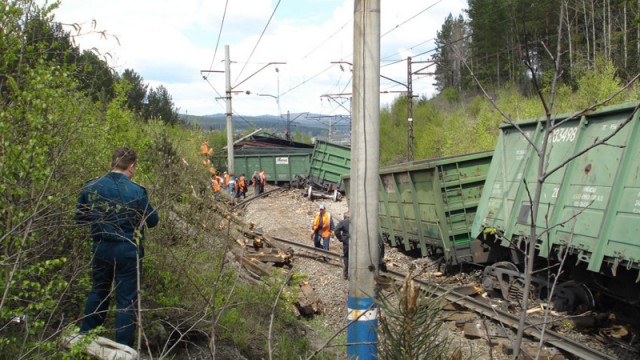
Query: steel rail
x=245 y=202
x=307 y=247
x=550 y=337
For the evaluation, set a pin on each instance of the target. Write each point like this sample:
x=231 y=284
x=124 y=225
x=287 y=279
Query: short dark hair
x=122 y=158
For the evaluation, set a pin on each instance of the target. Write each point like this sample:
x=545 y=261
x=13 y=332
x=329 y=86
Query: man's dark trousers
x=107 y=257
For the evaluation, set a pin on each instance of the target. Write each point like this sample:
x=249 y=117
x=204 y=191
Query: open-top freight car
x=329 y=161
x=590 y=206
x=282 y=165
x=283 y=160
x=430 y=205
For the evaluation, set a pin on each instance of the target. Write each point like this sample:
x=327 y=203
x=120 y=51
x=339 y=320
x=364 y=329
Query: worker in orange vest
x=215 y=185
x=263 y=181
x=205 y=149
x=322 y=228
x=241 y=187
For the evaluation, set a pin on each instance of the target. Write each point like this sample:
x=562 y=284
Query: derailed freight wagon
x=282 y=160
x=590 y=207
x=282 y=165
x=430 y=205
x=329 y=162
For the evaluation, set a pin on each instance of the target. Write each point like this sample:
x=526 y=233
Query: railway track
x=551 y=338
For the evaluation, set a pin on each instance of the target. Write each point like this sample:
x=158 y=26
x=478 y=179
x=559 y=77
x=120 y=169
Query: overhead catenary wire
x=259 y=39
x=215 y=51
x=411 y=18
x=222 y=107
x=448 y=44
x=386 y=33
x=327 y=39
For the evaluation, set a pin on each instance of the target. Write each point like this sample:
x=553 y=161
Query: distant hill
x=273 y=123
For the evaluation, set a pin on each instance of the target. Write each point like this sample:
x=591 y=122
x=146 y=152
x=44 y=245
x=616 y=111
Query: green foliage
x=160 y=106
x=136 y=90
x=598 y=84
x=301 y=137
x=95 y=77
x=453 y=50
x=410 y=327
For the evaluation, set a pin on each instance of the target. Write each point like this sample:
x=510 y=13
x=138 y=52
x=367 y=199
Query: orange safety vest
x=263 y=178
x=241 y=183
x=204 y=149
x=326 y=224
x=226 y=179
x=216 y=184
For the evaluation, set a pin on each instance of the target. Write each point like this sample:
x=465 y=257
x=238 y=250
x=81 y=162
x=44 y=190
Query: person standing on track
x=255 y=182
x=322 y=228
x=232 y=186
x=263 y=180
x=241 y=187
x=342 y=234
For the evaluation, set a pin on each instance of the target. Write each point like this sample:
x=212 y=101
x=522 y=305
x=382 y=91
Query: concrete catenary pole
x=365 y=143
x=227 y=73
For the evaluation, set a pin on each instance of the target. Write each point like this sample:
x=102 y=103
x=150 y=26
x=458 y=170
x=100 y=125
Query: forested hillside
x=508 y=51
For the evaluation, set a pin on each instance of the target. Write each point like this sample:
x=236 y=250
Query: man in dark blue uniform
x=116 y=209
x=342 y=234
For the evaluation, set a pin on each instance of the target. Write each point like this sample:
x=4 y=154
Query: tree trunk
x=569 y=28
x=604 y=28
x=593 y=31
x=586 y=32
x=624 y=32
x=610 y=28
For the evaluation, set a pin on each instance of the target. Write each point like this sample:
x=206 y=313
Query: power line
x=450 y=43
x=224 y=15
x=259 y=39
x=389 y=31
x=411 y=18
x=327 y=39
x=307 y=80
x=215 y=90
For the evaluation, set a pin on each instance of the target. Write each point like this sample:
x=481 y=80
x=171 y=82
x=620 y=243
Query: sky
x=180 y=44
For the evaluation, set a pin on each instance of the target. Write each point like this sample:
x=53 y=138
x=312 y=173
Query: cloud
x=169 y=42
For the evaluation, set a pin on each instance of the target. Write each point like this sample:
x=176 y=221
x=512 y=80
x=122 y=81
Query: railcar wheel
x=571 y=296
x=500 y=276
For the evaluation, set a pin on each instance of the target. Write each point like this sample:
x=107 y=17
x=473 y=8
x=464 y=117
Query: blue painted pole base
x=362 y=331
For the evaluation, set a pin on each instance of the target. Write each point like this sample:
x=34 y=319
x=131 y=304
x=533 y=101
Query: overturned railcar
x=429 y=205
x=329 y=162
x=590 y=205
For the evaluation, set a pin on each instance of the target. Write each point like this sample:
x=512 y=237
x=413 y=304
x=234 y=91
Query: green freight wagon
x=430 y=205
x=282 y=165
x=590 y=206
x=328 y=163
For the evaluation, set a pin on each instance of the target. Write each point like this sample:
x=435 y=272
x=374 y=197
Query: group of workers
x=237 y=186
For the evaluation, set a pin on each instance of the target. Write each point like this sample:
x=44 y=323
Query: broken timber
x=265 y=249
